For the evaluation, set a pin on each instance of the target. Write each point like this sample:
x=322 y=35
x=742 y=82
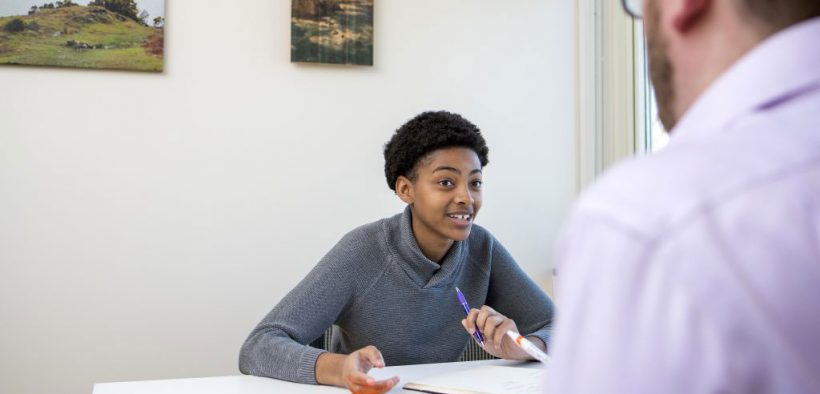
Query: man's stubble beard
x=661 y=71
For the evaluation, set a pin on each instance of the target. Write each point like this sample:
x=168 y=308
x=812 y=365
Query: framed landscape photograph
x=100 y=34
x=332 y=31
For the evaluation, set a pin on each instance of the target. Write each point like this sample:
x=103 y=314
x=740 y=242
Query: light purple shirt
x=697 y=269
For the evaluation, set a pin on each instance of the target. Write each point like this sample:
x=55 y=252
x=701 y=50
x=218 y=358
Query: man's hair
x=424 y=134
x=772 y=16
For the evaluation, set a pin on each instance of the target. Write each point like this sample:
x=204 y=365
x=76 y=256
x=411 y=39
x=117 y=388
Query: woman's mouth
x=461 y=219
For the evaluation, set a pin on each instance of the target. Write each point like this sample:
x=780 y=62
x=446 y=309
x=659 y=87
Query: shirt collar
x=783 y=66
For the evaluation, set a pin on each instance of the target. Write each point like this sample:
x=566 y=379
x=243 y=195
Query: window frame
x=613 y=119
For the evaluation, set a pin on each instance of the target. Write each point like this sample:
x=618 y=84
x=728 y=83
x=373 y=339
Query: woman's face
x=446 y=194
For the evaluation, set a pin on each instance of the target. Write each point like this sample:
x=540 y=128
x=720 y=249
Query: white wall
x=148 y=221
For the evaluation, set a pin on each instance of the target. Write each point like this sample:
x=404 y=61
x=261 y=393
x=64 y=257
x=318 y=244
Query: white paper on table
x=483 y=380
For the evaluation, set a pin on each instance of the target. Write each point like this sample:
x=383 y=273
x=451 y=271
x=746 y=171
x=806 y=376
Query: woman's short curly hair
x=425 y=133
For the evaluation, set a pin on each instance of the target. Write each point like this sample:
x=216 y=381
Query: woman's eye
x=446 y=182
x=477 y=184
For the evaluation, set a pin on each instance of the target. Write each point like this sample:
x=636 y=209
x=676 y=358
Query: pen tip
x=457 y=289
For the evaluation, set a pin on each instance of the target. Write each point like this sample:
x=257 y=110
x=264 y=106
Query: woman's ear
x=404 y=189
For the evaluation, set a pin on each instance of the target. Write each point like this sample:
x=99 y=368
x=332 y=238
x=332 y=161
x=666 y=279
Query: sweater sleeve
x=277 y=347
x=514 y=294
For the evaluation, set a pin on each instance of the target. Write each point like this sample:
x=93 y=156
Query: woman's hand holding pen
x=493 y=325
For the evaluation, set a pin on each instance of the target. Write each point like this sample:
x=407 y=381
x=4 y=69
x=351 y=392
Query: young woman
x=389 y=286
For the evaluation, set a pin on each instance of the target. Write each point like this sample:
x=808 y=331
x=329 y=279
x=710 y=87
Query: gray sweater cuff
x=543 y=334
x=306 y=372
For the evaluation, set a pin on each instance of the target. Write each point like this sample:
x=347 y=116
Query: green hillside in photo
x=80 y=36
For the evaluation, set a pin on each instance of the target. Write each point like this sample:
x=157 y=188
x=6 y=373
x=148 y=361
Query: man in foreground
x=697 y=269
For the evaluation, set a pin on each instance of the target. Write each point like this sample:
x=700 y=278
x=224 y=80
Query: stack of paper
x=483 y=380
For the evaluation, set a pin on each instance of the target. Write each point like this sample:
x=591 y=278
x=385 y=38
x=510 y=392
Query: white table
x=252 y=385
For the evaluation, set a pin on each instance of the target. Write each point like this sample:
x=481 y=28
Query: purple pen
x=463 y=301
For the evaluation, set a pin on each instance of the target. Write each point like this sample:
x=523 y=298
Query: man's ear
x=687 y=12
x=404 y=189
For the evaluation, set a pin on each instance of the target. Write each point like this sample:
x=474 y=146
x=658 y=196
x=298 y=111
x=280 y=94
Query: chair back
x=472 y=351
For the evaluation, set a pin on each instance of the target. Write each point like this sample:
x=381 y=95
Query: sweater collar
x=425 y=272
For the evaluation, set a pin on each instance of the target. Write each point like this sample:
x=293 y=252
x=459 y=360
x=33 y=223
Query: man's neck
x=711 y=53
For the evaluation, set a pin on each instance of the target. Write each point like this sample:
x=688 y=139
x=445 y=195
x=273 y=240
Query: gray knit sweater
x=379 y=289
